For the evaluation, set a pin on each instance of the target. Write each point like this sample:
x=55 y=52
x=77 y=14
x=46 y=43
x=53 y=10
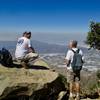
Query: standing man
x=74 y=60
x=24 y=51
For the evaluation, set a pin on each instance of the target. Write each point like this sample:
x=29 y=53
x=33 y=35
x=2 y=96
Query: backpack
x=77 y=62
x=5 y=57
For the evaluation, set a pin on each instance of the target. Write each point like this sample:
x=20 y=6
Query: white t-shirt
x=70 y=54
x=22 y=46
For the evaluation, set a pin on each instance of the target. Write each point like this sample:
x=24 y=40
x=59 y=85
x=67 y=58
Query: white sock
x=71 y=94
x=78 y=94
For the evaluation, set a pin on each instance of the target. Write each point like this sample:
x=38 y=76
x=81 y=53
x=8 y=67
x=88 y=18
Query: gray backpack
x=77 y=62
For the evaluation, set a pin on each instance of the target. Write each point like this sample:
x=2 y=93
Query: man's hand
x=31 y=49
x=65 y=61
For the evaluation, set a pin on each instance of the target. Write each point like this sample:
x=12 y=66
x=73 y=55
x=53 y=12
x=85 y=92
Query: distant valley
x=55 y=54
x=40 y=47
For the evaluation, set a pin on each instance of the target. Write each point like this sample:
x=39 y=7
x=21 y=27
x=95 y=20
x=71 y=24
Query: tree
x=93 y=38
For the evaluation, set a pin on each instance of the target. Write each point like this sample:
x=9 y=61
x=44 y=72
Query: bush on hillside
x=93 y=38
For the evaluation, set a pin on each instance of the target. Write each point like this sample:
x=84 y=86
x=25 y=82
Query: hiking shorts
x=28 y=57
x=73 y=76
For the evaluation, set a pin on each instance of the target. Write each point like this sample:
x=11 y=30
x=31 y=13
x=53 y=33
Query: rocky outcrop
x=41 y=83
x=27 y=84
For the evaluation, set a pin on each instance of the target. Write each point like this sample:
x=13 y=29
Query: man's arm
x=83 y=59
x=67 y=62
x=68 y=58
x=30 y=48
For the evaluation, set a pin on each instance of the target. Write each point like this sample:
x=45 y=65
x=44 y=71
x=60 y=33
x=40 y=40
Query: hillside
x=41 y=47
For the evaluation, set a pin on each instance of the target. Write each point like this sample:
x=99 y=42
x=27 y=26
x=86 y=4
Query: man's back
x=70 y=55
x=73 y=58
x=22 y=47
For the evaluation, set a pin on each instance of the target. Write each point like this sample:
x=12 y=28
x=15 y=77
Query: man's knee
x=77 y=76
x=32 y=55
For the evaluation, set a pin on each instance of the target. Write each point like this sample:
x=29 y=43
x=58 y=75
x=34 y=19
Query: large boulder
x=41 y=62
x=36 y=64
x=27 y=84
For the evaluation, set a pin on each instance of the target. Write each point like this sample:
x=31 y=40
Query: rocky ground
x=43 y=82
x=35 y=83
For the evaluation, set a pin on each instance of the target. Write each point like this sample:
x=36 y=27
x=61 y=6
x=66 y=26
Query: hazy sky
x=56 y=16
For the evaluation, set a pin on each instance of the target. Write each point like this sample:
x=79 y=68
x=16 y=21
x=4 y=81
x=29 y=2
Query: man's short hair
x=28 y=33
x=74 y=43
x=24 y=33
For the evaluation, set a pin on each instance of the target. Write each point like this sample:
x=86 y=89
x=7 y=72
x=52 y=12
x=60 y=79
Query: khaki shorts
x=73 y=76
x=28 y=57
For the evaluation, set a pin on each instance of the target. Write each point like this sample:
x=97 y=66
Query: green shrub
x=98 y=74
x=93 y=37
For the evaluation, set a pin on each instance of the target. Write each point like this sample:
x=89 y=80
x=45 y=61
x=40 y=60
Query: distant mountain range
x=40 y=47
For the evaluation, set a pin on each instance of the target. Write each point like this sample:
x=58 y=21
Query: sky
x=45 y=17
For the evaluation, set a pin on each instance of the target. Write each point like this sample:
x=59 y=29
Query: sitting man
x=24 y=51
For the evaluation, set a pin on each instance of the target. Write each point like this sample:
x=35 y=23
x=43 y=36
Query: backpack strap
x=77 y=51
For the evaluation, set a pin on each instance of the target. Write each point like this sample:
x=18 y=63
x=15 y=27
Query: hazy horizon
x=53 y=38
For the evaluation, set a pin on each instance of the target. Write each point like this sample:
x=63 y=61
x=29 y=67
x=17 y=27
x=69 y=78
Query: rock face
x=30 y=84
x=41 y=83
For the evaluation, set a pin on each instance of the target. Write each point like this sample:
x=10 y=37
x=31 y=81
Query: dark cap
x=24 y=33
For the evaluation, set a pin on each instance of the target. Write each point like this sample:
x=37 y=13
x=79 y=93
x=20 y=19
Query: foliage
x=98 y=74
x=93 y=38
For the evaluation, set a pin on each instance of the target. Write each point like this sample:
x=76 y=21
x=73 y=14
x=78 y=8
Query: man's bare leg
x=77 y=85
x=71 y=91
